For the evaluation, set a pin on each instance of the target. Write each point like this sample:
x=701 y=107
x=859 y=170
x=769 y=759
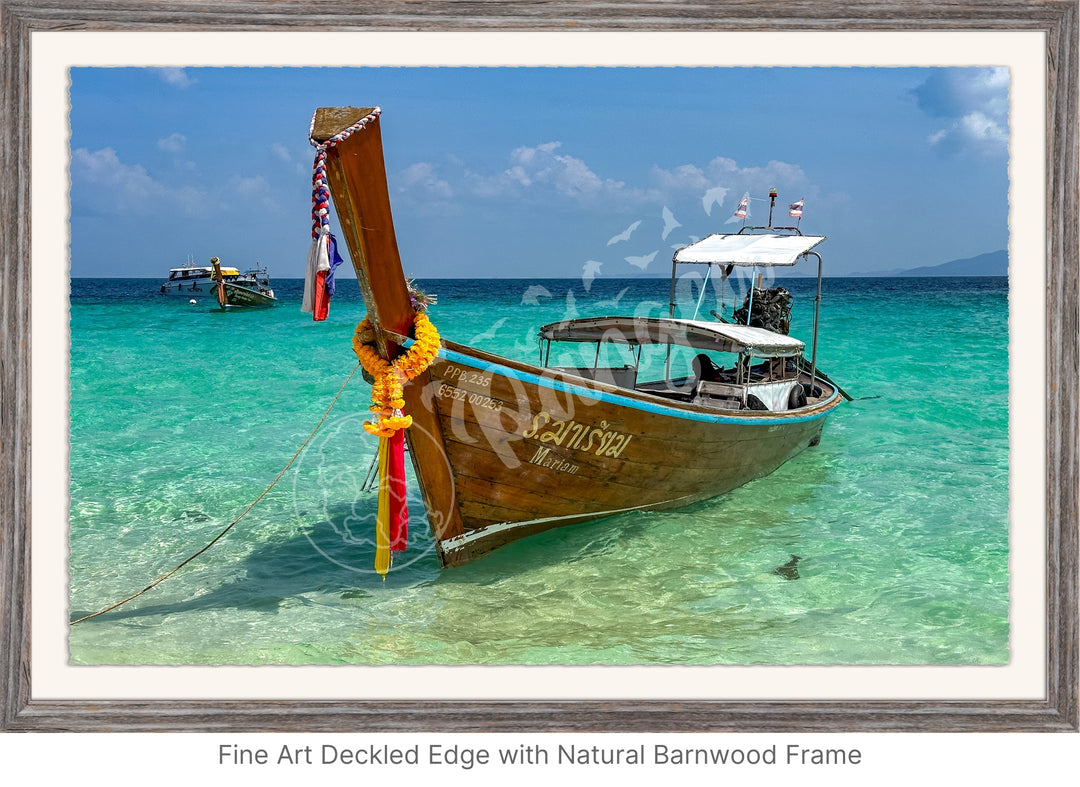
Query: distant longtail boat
x=505 y=449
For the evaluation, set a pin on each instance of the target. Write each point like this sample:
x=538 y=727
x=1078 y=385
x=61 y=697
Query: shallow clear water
x=182 y=415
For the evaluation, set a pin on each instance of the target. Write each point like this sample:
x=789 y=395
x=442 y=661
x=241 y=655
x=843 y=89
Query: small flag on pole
x=795 y=211
x=744 y=205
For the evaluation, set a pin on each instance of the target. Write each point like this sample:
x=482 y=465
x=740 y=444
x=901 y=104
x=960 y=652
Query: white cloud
x=973 y=104
x=255 y=186
x=546 y=174
x=540 y=173
x=177 y=77
x=282 y=152
x=254 y=190
x=979 y=127
x=174 y=143
x=710 y=185
x=109 y=183
x=421 y=179
x=975 y=131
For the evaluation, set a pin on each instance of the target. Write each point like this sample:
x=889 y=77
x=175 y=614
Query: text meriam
x=467 y=758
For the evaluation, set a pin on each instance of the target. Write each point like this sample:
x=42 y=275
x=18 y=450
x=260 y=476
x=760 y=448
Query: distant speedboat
x=193 y=278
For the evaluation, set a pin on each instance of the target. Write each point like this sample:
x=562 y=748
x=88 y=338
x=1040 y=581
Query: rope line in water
x=220 y=535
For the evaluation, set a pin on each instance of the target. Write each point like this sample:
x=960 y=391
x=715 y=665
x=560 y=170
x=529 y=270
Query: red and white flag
x=795 y=210
x=740 y=212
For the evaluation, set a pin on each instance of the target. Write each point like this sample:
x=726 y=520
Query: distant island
x=994 y=263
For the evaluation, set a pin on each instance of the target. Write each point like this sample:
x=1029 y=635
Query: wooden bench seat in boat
x=722 y=395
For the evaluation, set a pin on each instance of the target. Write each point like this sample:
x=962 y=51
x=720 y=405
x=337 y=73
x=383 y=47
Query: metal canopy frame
x=727 y=267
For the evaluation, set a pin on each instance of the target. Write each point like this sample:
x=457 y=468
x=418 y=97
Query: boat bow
x=350 y=138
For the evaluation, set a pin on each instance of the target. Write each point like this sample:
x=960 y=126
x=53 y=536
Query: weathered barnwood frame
x=1058 y=711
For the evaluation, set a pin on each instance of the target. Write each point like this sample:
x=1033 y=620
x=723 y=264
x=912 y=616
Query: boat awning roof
x=699 y=334
x=760 y=250
x=224 y=269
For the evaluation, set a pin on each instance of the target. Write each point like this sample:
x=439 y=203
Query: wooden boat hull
x=517 y=449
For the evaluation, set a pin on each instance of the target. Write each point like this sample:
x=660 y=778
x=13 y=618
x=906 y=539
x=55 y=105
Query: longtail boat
x=504 y=449
x=250 y=289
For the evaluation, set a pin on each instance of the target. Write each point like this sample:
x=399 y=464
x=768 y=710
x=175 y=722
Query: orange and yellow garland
x=387 y=392
x=387 y=401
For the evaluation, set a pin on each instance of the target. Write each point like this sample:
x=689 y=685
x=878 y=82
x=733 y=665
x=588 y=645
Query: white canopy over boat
x=190 y=271
x=761 y=250
x=699 y=334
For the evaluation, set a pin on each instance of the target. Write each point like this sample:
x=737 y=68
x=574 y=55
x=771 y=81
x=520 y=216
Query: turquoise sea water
x=181 y=415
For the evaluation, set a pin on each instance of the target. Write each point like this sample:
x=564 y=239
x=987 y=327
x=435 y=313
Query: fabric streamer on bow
x=323 y=259
x=389 y=424
x=318 y=266
x=392 y=522
x=323 y=256
x=382 y=520
x=399 y=507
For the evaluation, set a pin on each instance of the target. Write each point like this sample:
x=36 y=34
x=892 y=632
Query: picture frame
x=1057 y=711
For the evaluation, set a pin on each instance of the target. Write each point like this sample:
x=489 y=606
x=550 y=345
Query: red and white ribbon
x=318 y=265
x=320 y=191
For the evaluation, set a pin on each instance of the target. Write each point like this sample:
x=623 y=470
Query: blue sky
x=532 y=172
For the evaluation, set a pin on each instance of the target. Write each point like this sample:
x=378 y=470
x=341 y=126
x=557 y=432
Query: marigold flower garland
x=387 y=392
x=387 y=401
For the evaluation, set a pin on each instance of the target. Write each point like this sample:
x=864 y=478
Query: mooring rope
x=220 y=535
